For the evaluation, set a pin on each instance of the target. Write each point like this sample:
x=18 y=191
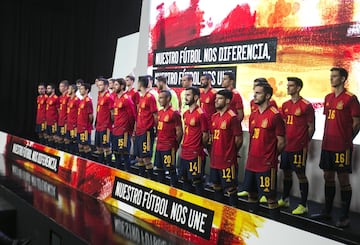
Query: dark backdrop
x=48 y=41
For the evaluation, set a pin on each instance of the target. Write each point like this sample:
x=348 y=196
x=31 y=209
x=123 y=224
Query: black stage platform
x=50 y=212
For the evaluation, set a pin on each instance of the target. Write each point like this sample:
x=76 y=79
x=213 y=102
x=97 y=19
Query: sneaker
x=300 y=210
x=263 y=199
x=343 y=222
x=243 y=194
x=283 y=203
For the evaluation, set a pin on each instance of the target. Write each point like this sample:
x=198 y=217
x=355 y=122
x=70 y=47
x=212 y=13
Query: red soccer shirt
x=168 y=121
x=72 y=112
x=224 y=128
x=253 y=106
x=196 y=123
x=135 y=96
x=52 y=106
x=124 y=115
x=63 y=100
x=145 y=117
x=263 y=129
x=103 y=112
x=297 y=116
x=41 y=109
x=236 y=102
x=85 y=108
x=338 y=121
x=207 y=102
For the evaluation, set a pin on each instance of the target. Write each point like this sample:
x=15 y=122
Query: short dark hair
x=342 y=71
x=132 y=78
x=207 y=76
x=104 y=80
x=121 y=82
x=73 y=86
x=41 y=84
x=260 y=80
x=65 y=82
x=144 y=81
x=167 y=93
x=161 y=79
x=266 y=87
x=189 y=77
x=79 y=81
x=226 y=93
x=298 y=82
x=87 y=86
x=194 y=90
x=51 y=85
x=230 y=74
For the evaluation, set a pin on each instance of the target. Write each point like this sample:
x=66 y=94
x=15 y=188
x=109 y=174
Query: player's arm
x=280 y=143
x=179 y=133
x=238 y=142
x=311 y=129
x=205 y=138
x=355 y=126
x=91 y=118
x=240 y=113
x=156 y=119
x=112 y=115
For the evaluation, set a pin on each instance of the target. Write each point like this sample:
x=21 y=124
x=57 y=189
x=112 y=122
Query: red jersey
x=63 y=100
x=168 y=121
x=224 y=128
x=253 y=106
x=263 y=129
x=207 y=102
x=85 y=108
x=103 y=112
x=297 y=116
x=41 y=109
x=52 y=106
x=236 y=102
x=124 y=115
x=135 y=96
x=72 y=112
x=145 y=118
x=339 y=111
x=196 y=123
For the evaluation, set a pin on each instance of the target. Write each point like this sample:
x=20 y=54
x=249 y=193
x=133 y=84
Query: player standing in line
x=84 y=121
x=144 y=133
x=227 y=139
x=207 y=95
x=124 y=120
x=52 y=114
x=196 y=137
x=342 y=123
x=169 y=136
x=186 y=82
x=267 y=141
x=40 y=127
x=299 y=117
x=71 y=122
x=236 y=102
x=63 y=100
x=103 y=123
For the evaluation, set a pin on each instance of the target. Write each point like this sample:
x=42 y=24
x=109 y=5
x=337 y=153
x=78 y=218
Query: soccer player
x=196 y=137
x=84 y=121
x=146 y=120
x=103 y=123
x=71 y=122
x=207 y=95
x=124 y=120
x=52 y=114
x=78 y=83
x=63 y=100
x=342 y=123
x=254 y=106
x=162 y=85
x=169 y=136
x=227 y=139
x=186 y=82
x=236 y=103
x=40 y=128
x=131 y=91
x=267 y=141
x=299 y=117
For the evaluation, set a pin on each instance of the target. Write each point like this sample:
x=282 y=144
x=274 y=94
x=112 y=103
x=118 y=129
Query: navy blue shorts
x=121 y=143
x=61 y=131
x=336 y=161
x=83 y=138
x=40 y=128
x=165 y=159
x=227 y=177
x=191 y=169
x=263 y=183
x=144 y=144
x=102 y=138
x=51 y=129
x=294 y=160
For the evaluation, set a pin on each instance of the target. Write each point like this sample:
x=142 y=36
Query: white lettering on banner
x=256 y=51
x=167 y=58
x=210 y=54
x=190 y=56
x=197 y=220
x=128 y=193
x=155 y=203
x=178 y=213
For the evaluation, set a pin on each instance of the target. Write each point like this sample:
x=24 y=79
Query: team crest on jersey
x=340 y=105
x=102 y=102
x=207 y=100
x=82 y=106
x=166 y=118
x=264 y=123
x=143 y=105
x=297 y=112
x=50 y=102
x=120 y=105
x=286 y=110
x=252 y=122
x=223 y=125
x=327 y=104
x=192 y=122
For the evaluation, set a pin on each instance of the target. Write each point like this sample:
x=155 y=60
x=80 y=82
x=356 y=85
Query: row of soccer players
x=266 y=127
